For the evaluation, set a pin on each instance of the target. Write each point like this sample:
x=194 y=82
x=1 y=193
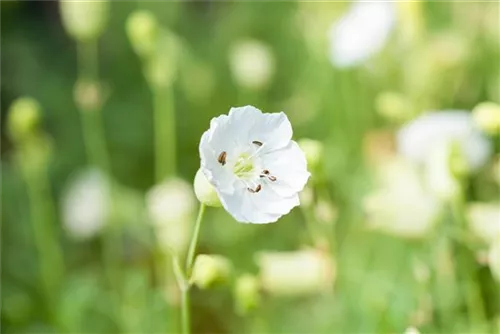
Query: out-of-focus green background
x=438 y=56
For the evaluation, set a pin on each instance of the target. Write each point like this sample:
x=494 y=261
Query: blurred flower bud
x=170 y=206
x=24 y=117
x=313 y=151
x=161 y=67
x=252 y=64
x=306 y=197
x=442 y=171
x=84 y=20
x=393 y=106
x=411 y=330
x=401 y=205
x=494 y=258
x=487 y=117
x=484 y=220
x=171 y=202
x=209 y=270
x=35 y=153
x=86 y=204
x=246 y=293
x=296 y=273
x=325 y=213
x=88 y=95
x=205 y=192
x=142 y=30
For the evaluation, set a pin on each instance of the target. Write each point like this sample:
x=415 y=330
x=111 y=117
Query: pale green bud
x=487 y=117
x=84 y=20
x=142 y=30
x=205 y=192
x=24 y=117
x=393 y=106
x=313 y=151
x=161 y=67
x=246 y=293
x=252 y=64
x=209 y=270
x=296 y=273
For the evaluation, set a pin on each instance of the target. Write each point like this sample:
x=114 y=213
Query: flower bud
x=88 y=95
x=209 y=270
x=252 y=64
x=484 y=220
x=84 y=20
x=205 y=192
x=161 y=66
x=494 y=258
x=24 y=117
x=313 y=151
x=296 y=273
x=487 y=117
x=393 y=106
x=142 y=30
x=246 y=293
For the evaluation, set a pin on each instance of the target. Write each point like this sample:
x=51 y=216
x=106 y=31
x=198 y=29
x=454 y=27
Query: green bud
x=24 y=117
x=487 y=117
x=209 y=270
x=142 y=30
x=84 y=20
x=246 y=293
x=161 y=67
x=393 y=106
x=314 y=152
x=205 y=192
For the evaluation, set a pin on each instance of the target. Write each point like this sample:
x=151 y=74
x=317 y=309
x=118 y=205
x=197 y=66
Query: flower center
x=243 y=166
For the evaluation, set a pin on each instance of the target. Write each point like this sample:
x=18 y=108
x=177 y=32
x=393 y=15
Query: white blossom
x=361 y=32
x=255 y=167
x=430 y=131
x=86 y=204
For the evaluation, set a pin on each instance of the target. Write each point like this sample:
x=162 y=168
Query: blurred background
x=395 y=105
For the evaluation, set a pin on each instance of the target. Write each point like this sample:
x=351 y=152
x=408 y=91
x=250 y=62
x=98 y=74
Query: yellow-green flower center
x=243 y=165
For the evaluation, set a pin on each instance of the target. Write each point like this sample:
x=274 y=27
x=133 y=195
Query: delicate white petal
x=289 y=165
x=362 y=32
x=417 y=139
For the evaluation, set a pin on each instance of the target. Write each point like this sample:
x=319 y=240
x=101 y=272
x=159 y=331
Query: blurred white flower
x=86 y=204
x=484 y=220
x=252 y=64
x=361 y=32
x=420 y=137
x=296 y=273
x=494 y=258
x=171 y=202
x=170 y=207
x=84 y=20
x=401 y=205
x=255 y=167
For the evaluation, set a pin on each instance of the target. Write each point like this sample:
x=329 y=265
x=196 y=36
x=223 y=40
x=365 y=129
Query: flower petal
x=289 y=166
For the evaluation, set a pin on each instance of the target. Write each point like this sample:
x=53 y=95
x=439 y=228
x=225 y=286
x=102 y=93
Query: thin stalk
x=185 y=309
x=165 y=132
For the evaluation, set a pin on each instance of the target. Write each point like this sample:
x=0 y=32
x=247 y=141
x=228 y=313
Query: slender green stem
x=185 y=314
x=165 y=133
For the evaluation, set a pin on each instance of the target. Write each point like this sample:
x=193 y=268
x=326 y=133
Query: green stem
x=165 y=132
x=185 y=315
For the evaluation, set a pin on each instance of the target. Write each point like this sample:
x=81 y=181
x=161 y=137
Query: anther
x=272 y=178
x=256 y=142
x=222 y=158
x=257 y=189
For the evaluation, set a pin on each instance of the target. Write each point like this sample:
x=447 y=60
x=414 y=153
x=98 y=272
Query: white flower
x=418 y=139
x=86 y=204
x=255 y=167
x=170 y=202
x=484 y=220
x=401 y=205
x=252 y=64
x=362 y=32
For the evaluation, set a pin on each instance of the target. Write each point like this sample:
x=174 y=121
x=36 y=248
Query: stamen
x=265 y=172
x=256 y=142
x=222 y=158
x=272 y=178
x=259 y=187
